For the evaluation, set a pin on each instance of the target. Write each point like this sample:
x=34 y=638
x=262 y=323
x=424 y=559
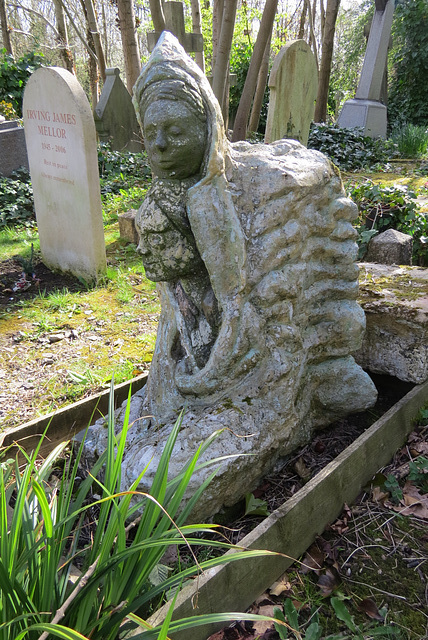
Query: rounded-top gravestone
x=62 y=154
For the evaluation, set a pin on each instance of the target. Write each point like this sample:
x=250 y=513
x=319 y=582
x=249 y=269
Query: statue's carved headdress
x=171 y=74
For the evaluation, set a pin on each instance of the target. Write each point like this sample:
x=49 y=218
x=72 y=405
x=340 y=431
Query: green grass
x=411 y=140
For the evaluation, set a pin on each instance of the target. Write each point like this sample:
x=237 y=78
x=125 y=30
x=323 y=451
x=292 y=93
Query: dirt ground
x=31 y=360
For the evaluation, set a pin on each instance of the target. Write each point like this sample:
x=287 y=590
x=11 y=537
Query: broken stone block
x=127 y=228
x=390 y=247
x=395 y=301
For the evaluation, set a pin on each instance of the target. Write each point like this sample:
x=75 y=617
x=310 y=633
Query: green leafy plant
x=255 y=506
x=7 y=110
x=408 y=91
x=358 y=632
x=290 y=617
x=349 y=149
x=411 y=140
x=384 y=207
x=44 y=535
x=119 y=169
x=16 y=200
x=418 y=473
x=392 y=485
x=14 y=75
x=311 y=629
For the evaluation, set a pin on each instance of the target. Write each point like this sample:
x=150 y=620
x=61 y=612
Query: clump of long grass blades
x=411 y=140
x=43 y=537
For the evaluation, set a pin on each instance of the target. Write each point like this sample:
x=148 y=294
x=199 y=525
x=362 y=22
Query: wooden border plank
x=63 y=424
x=293 y=527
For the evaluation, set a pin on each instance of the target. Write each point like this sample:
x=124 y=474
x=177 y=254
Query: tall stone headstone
x=62 y=153
x=114 y=115
x=293 y=85
x=366 y=109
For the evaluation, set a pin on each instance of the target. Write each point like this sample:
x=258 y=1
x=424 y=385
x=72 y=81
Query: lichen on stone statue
x=254 y=254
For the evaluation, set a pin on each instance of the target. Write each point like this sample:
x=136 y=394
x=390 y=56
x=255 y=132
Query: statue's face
x=174 y=138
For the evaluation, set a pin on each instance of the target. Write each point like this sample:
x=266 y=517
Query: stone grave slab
x=293 y=85
x=395 y=301
x=114 y=115
x=13 y=150
x=390 y=247
x=62 y=153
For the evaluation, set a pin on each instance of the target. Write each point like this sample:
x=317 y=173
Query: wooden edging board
x=63 y=424
x=292 y=528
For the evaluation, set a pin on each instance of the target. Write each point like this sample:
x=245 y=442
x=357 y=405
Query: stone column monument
x=254 y=254
x=366 y=110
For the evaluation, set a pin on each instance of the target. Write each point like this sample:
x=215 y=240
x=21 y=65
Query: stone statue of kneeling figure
x=254 y=254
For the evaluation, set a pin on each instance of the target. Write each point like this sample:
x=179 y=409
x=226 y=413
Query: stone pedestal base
x=368 y=114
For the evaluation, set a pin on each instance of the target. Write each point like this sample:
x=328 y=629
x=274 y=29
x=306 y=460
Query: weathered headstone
x=127 y=229
x=293 y=85
x=13 y=150
x=253 y=252
x=62 y=153
x=390 y=247
x=366 y=110
x=114 y=115
x=174 y=23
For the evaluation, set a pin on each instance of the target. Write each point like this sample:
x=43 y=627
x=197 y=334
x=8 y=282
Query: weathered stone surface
x=62 y=152
x=395 y=301
x=390 y=247
x=254 y=254
x=114 y=116
x=127 y=228
x=293 y=84
x=13 y=150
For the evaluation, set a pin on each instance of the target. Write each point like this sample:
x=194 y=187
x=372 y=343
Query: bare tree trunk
x=327 y=54
x=217 y=19
x=312 y=40
x=220 y=71
x=65 y=52
x=158 y=17
x=322 y=16
x=128 y=35
x=106 y=44
x=93 y=28
x=197 y=28
x=260 y=90
x=7 y=43
x=92 y=61
x=265 y=32
x=303 y=20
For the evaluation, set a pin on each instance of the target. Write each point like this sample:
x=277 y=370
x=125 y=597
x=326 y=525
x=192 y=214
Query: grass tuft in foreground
x=44 y=536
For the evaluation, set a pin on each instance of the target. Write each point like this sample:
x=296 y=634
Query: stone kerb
x=293 y=85
x=62 y=154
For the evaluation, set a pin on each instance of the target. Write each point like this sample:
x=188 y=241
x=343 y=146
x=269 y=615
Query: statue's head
x=173 y=120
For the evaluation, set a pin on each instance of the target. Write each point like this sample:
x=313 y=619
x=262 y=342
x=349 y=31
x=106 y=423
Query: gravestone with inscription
x=62 y=154
x=366 y=109
x=293 y=85
x=114 y=115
